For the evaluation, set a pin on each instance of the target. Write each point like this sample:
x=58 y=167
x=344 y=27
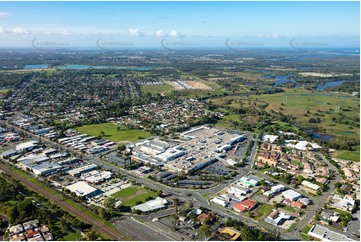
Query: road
x=319 y=201
x=109 y=232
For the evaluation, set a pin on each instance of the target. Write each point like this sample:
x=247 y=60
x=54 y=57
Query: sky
x=179 y=24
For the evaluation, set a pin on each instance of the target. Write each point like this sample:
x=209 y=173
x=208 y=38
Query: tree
x=101 y=134
x=92 y=235
x=206 y=231
x=109 y=202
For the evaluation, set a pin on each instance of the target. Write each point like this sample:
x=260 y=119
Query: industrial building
x=82 y=189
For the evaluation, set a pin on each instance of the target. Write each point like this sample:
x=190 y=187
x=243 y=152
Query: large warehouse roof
x=81 y=189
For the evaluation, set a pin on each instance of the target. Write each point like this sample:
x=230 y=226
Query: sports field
x=130 y=196
x=111 y=132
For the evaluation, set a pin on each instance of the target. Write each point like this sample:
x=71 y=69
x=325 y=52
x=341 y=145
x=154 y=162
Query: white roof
x=26 y=145
x=301 y=145
x=151 y=205
x=269 y=138
x=290 y=194
x=81 y=189
x=310 y=185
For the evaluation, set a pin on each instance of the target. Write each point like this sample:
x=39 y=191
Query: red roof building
x=247 y=204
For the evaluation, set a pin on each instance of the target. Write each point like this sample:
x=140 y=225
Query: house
x=305 y=201
x=32 y=224
x=203 y=217
x=229 y=234
x=296 y=205
x=18 y=237
x=247 y=204
x=16 y=229
x=310 y=185
x=277 y=218
x=32 y=234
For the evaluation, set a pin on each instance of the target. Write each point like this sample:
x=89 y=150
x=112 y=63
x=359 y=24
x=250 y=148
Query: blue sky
x=192 y=23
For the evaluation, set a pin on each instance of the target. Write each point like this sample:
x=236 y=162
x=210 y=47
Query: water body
x=38 y=66
x=279 y=80
x=322 y=87
x=83 y=67
x=324 y=137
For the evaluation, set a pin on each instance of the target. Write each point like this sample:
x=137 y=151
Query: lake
x=37 y=66
x=322 y=87
x=83 y=67
x=279 y=80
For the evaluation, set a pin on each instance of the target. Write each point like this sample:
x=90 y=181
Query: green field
x=154 y=89
x=263 y=211
x=353 y=155
x=4 y=91
x=130 y=196
x=111 y=132
x=304 y=105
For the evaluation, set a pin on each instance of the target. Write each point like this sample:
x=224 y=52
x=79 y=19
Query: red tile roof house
x=203 y=217
x=247 y=204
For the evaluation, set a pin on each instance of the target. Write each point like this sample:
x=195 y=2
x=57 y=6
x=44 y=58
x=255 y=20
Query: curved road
x=111 y=233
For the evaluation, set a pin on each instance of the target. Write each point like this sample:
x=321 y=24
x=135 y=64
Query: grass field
x=153 y=89
x=111 y=132
x=130 y=196
x=353 y=155
x=70 y=237
x=4 y=91
x=305 y=105
x=263 y=211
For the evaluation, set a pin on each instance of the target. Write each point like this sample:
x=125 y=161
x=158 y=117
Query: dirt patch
x=198 y=85
x=252 y=119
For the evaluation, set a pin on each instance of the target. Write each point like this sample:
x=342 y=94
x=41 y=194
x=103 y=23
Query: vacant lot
x=263 y=211
x=161 y=89
x=112 y=133
x=305 y=105
x=131 y=196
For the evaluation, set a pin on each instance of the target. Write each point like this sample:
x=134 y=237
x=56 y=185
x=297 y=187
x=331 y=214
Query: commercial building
x=27 y=146
x=291 y=195
x=220 y=201
x=324 y=234
x=78 y=171
x=249 y=181
x=152 y=205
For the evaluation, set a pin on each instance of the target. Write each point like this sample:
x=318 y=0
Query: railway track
x=99 y=226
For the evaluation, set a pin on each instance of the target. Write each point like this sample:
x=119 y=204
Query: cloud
x=134 y=32
x=160 y=33
x=4 y=14
x=174 y=33
x=15 y=31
